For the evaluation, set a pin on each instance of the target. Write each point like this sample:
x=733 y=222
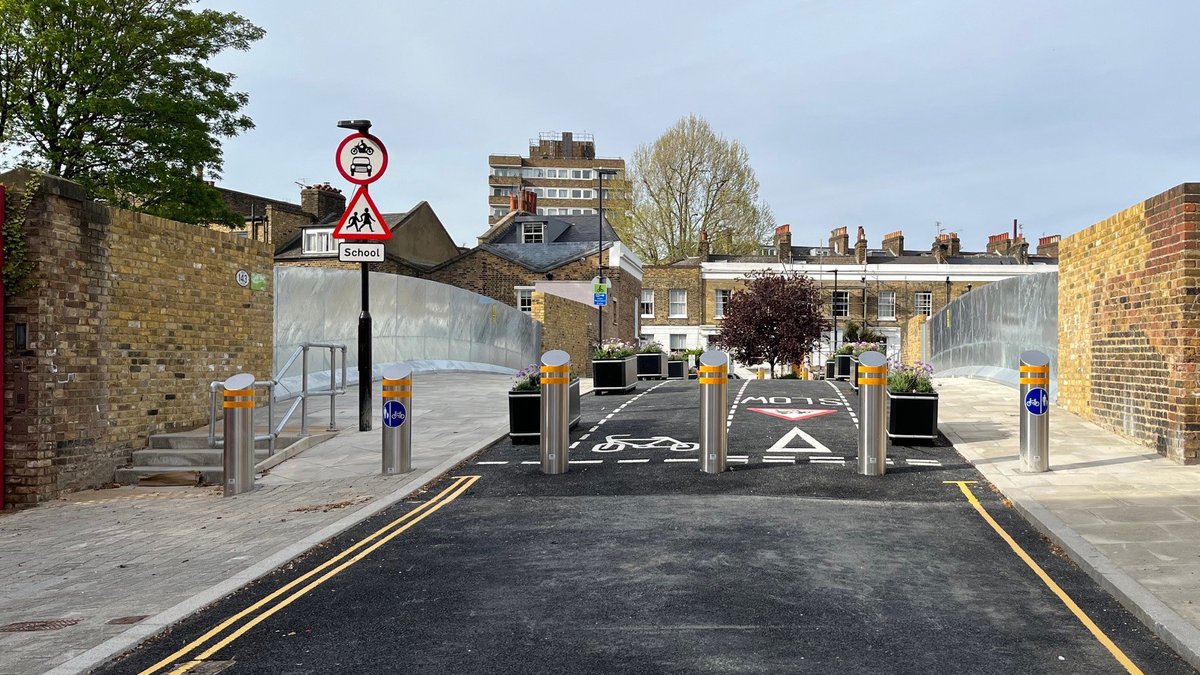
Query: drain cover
x=32 y=626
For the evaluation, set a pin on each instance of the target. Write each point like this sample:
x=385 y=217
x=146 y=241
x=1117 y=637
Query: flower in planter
x=613 y=348
x=651 y=347
x=917 y=377
x=858 y=348
x=677 y=356
x=847 y=348
x=529 y=378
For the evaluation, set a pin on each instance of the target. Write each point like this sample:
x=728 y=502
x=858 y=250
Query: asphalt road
x=636 y=562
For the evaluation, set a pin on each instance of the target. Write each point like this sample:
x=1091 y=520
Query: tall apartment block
x=561 y=171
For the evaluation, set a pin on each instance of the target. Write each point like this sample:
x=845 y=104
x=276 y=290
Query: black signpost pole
x=365 y=383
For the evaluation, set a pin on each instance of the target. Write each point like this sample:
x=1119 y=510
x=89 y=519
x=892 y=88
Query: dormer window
x=319 y=241
x=533 y=233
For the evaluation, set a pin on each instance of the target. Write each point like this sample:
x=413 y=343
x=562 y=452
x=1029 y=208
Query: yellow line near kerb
x=1062 y=595
x=460 y=485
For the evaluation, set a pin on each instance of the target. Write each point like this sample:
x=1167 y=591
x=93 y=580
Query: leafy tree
x=692 y=180
x=776 y=318
x=115 y=94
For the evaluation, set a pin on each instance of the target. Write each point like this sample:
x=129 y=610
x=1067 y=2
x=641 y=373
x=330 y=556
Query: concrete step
x=186 y=458
x=171 y=475
x=199 y=441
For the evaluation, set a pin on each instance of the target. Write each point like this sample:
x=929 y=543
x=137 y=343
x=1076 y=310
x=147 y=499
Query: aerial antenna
x=938 y=224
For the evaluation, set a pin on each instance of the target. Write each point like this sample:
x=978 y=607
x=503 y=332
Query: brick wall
x=910 y=351
x=569 y=326
x=663 y=278
x=388 y=266
x=129 y=317
x=1129 y=323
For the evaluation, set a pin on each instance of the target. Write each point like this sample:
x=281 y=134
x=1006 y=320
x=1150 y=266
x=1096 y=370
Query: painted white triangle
x=814 y=446
x=792 y=414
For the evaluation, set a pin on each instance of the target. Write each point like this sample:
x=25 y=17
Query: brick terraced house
x=682 y=303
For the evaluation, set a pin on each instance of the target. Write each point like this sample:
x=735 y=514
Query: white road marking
x=924 y=462
x=737 y=456
x=780 y=460
x=531 y=462
x=585 y=461
x=633 y=461
x=681 y=459
x=813 y=450
x=574 y=445
x=494 y=463
x=842 y=396
x=738 y=460
x=593 y=429
x=584 y=437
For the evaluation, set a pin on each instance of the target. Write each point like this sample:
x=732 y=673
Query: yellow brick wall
x=1129 y=329
x=911 y=348
x=129 y=317
x=566 y=325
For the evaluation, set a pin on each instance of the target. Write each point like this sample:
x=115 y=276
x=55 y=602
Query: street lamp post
x=364 y=318
x=601 y=173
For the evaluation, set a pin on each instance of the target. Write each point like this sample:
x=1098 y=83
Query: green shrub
x=903 y=379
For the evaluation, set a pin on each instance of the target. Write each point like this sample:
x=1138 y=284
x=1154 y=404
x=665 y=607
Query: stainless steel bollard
x=397 y=427
x=239 y=434
x=1035 y=412
x=555 y=432
x=872 y=400
x=714 y=407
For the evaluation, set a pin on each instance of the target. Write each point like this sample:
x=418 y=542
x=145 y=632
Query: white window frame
x=533 y=233
x=524 y=298
x=672 y=302
x=319 y=234
x=842 y=311
x=720 y=300
x=890 y=304
x=671 y=341
x=647 y=292
x=923 y=303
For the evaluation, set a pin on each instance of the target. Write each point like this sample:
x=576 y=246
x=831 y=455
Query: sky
x=885 y=114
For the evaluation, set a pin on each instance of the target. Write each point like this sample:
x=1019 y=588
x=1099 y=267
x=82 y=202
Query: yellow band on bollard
x=556 y=380
x=872 y=369
x=239 y=404
x=555 y=369
x=872 y=380
x=397 y=383
x=239 y=398
x=397 y=394
x=713 y=369
x=1035 y=369
x=713 y=380
x=1035 y=380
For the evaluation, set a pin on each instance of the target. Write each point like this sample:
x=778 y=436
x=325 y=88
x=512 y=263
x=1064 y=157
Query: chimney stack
x=322 y=200
x=783 y=243
x=946 y=246
x=998 y=244
x=1048 y=246
x=894 y=243
x=839 y=241
x=1020 y=251
x=860 y=247
x=704 y=249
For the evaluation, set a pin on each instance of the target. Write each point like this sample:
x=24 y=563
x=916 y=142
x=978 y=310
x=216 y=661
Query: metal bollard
x=1035 y=412
x=239 y=434
x=397 y=428
x=555 y=432
x=872 y=399
x=714 y=407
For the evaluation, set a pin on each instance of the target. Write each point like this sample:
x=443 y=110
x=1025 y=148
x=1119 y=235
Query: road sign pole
x=1035 y=416
x=364 y=354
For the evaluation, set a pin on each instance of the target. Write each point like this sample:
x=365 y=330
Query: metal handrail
x=301 y=397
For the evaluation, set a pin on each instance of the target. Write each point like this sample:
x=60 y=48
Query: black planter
x=525 y=413
x=652 y=366
x=676 y=370
x=854 y=374
x=610 y=375
x=842 y=366
x=829 y=369
x=912 y=417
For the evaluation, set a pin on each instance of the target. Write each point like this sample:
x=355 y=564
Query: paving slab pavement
x=1129 y=517
x=162 y=553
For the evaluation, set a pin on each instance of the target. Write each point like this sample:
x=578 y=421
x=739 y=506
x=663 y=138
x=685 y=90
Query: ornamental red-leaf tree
x=776 y=318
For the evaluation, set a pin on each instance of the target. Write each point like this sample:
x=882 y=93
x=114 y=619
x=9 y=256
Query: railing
x=301 y=397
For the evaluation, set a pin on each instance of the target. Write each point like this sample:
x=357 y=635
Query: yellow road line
x=1062 y=595
x=437 y=500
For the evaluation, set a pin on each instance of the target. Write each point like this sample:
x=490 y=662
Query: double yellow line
x=355 y=553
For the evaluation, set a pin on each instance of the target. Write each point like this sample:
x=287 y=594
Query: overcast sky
x=885 y=114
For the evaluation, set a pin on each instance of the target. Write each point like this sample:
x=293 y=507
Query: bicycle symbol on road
x=618 y=442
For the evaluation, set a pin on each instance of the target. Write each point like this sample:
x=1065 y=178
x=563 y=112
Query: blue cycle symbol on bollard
x=1037 y=401
x=394 y=414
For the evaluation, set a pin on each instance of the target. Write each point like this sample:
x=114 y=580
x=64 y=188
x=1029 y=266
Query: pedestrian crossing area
x=731 y=459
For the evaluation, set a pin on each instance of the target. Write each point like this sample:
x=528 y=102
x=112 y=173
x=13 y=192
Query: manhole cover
x=32 y=626
x=126 y=620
